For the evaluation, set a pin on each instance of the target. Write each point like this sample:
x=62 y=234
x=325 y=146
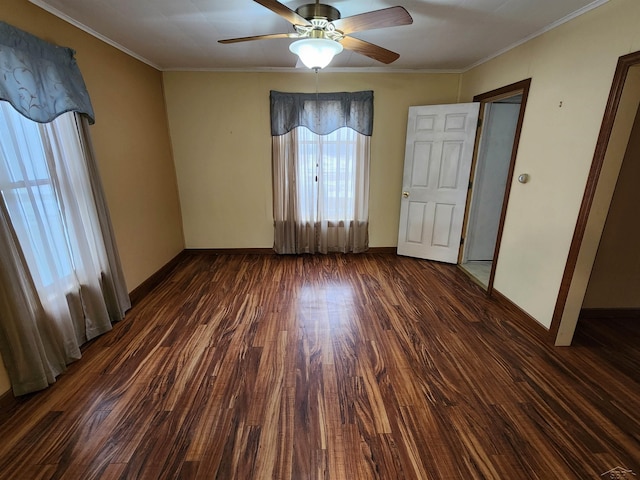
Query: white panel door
x=437 y=162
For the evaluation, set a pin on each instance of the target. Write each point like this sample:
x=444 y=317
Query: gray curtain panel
x=113 y=284
x=31 y=354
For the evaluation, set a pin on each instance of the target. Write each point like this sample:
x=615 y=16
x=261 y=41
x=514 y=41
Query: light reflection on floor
x=335 y=298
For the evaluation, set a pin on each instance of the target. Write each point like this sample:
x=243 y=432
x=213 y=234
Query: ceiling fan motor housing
x=318 y=10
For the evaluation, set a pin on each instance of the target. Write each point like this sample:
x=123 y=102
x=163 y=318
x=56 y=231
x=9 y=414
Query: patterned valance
x=322 y=113
x=41 y=80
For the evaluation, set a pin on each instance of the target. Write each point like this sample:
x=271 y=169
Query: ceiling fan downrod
x=320 y=16
x=318 y=10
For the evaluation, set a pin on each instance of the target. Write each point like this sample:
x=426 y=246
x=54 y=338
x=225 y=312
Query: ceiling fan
x=322 y=33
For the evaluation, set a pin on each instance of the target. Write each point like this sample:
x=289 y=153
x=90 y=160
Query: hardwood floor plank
x=266 y=407
x=339 y=367
x=32 y=472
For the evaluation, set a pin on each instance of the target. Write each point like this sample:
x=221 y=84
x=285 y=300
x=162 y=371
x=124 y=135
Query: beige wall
x=572 y=69
x=615 y=278
x=220 y=132
x=131 y=142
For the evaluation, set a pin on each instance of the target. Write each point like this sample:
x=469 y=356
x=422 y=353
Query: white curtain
x=56 y=215
x=321 y=191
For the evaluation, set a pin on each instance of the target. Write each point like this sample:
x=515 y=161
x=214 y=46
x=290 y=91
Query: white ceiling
x=450 y=35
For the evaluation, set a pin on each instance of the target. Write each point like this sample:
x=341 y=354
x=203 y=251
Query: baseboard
x=7 y=400
x=385 y=250
x=142 y=290
x=609 y=313
x=264 y=251
x=230 y=251
x=530 y=324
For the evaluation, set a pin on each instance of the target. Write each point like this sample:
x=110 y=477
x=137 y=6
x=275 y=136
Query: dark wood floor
x=333 y=367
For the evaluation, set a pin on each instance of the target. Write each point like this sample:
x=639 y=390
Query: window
x=321 y=191
x=60 y=274
x=332 y=162
x=320 y=154
x=27 y=189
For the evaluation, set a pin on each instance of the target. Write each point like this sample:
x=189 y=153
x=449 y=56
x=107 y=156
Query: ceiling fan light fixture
x=316 y=52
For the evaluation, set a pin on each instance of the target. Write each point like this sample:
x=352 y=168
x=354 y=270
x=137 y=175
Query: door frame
x=522 y=87
x=625 y=62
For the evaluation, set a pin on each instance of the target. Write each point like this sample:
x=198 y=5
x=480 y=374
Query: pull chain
x=317 y=102
x=317 y=123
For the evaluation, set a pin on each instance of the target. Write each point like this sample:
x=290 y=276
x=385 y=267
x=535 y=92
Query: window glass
x=30 y=196
x=329 y=162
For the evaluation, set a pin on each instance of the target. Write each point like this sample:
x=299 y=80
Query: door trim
x=625 y=62
x=521 y=87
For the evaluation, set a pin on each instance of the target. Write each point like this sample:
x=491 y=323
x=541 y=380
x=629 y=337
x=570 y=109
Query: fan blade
x=260 y=37
x=369 y=49
x=284 y=11
x=387 y=17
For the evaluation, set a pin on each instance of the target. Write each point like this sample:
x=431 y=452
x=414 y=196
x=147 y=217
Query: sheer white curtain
x=50 y=199
x=321 y=191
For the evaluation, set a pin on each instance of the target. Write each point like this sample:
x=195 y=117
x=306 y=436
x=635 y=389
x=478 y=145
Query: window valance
x=39 y=79
x=322 y=113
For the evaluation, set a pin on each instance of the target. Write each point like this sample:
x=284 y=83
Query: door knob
x=405 y=194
